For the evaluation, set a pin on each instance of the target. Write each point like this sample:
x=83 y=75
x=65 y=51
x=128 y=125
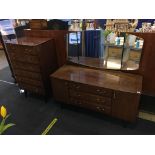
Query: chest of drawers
x=33 y=60
x=110 y=92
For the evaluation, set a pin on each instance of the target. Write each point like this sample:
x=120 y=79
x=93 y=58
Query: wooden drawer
x=24 y=66
x=29 y=81
x=32 y=89
x=90 y=89
x=90 y=105
x=29 y=50
x=24 y=58
x=90 y=97
x=28 y=74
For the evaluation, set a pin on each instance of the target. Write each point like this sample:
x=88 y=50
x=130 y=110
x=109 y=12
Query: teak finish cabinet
x=33 y=60
x=110 y=92
x=60 y=41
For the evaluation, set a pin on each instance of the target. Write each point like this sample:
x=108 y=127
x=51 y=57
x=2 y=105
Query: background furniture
x=147 y=63
x=57 y=24
x=38 y=24
x=109 y=92
x=33 y=60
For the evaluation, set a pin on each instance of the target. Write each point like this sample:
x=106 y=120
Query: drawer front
x=90 y=105
x=24 y=58
x=32 y=89
x=90 y=89
x=90 y=97
x=32 y=75
x=29 y=50
x=29 y=81
x=24 y=66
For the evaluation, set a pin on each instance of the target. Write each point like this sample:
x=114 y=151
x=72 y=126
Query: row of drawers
x=26 y=65
x=26 y=50
x=95 y=98
x=90 y=97
x=24 y=58
x=93 y=106
x=90 y=89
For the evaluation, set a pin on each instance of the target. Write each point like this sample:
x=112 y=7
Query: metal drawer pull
x=98 y=90
x=77 y=87
x=27 y=50
x=98 y=108
x=98 y=99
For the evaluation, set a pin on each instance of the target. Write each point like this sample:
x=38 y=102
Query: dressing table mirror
x=132 y=52
x=97 y=49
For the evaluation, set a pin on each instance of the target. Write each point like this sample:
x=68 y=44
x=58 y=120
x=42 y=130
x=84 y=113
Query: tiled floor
x=3 y=60
x=147 y=116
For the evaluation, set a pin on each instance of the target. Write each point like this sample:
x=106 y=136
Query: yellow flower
x=3 y=111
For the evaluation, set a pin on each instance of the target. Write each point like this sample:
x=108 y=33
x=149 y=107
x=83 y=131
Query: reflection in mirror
x=113 y=46
x=74 y=44
x=88 y=50
x=96 y=48
x=105 y=49
x=132 y=52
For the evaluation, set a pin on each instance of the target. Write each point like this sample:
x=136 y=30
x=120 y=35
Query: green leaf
x=2 y=124
x=7 y=126
x=7 y=116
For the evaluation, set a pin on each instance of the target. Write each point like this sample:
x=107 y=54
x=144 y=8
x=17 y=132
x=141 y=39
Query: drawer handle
x=78 y=95
x=77 y=87
x=98 y=99
x=98 y=90
x=27 y=50
x=98 y=108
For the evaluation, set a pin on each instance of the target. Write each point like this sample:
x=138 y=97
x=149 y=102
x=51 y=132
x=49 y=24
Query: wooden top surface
x=115 y=80
x=29 y=41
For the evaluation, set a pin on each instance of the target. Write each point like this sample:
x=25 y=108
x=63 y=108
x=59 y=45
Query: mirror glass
x=113 y=49
x=132 y=52
x=104 y=49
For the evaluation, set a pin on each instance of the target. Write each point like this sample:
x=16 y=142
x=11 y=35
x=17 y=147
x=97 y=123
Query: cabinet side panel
x=125 y=106
x=60 y=90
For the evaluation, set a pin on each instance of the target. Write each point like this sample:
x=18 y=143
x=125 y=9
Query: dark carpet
x=32 y=115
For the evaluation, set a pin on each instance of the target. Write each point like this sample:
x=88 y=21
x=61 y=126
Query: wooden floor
x=3 y=60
